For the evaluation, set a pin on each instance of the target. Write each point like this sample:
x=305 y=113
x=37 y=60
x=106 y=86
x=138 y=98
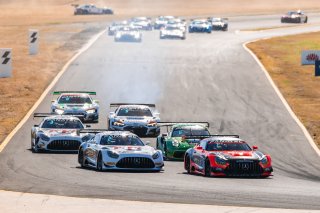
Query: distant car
x=200 y=25
x=181 y=137
x=161 y=21
x=114 y=150
x=76 y=103
x=128 y=34
x=56 y=133
x=181 y=23
x=86 y=9
x=172 y=31
x=222 y=155
x=116 y=26
x=141 y=23
x=294 y=17
x=219 y=23
x=136 y=118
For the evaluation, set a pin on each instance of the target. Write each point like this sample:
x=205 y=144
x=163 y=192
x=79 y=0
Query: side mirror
x=164 y=134
x=199 y=148
x=36 y=125
x=52 y=101
x=88 y=126
x=254 y=147
x=147 y=143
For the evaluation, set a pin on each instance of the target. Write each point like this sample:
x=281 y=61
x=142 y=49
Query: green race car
x=181 y=137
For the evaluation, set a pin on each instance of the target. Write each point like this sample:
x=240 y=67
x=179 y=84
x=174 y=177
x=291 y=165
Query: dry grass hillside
x=62 y=34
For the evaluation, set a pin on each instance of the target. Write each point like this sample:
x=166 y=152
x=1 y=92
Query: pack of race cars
x=119 y=146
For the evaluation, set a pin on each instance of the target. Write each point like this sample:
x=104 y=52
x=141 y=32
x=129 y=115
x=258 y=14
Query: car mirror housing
x=88 y=126
x=199 y=148
x=164 y=134
x=254 y=147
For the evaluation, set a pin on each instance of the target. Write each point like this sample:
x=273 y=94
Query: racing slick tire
x=187 y=164
x=99 y=162
x=306 y=20
x=81 y=158
x=207 y=168
x=33 y=147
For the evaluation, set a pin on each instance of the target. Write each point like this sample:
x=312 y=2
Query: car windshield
x=216 y=19
x=292 y=13
x=199 y=22
x=75 y=99
x=227 y=146
x=187 y=131
x=121 y=140
x=172 y=28
x=128 y=111
x=62 y=124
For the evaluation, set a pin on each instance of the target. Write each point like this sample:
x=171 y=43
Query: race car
x=116 y=26
x=294 y=17
x=181 y=23
x=76 y=103
x=137 y=118
x=118 y=150
x=219 y=23
x=181 y=137
x=56 y=133
x=128 y=34
x=141 y=23
x=172 y=31
x=227 y=155
x=86 y=9
x=161 y=21
x=200 y=25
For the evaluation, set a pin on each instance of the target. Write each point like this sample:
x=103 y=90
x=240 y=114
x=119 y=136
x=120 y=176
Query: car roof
x=179 y=125
x=225 y=139
x=117 y=133
x=134 y=106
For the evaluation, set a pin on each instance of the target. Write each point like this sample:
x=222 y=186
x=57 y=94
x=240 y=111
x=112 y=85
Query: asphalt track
x=207 y=77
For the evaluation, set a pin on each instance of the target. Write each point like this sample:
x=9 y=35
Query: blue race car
x=200 y=25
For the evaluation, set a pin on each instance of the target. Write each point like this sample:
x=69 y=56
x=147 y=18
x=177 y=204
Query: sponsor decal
x=309 y=57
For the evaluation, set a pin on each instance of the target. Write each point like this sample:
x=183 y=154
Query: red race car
x=227 y=155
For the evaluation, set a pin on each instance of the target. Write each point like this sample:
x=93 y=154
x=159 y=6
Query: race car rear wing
x=82 y=92
x=44 y=115
x=161 y=124
x=209 y=136
x=120 y=104
x=94 y=131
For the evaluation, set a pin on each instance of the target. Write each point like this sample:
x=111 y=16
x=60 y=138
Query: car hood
x=218 y=23
x=75 y=106
x=172 y=32
x=148 y=150
x=60 y=132
x=229 y=155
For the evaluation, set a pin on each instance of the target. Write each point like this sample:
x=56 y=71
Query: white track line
x=28 y=202
x=285 y=103
x=45 y=93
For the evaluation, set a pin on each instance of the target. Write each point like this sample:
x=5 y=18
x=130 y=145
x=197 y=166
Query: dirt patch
x=62 y=34
x=297 y=83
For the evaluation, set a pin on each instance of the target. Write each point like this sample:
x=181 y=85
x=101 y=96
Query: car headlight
x=112 y=154
x=175 y=143
x=264 y=160
x=44 y=137
x=155 y=155
x=118 y=35
x=220 y=161
x=59 y=111
x=118 y=123
x=91 y=111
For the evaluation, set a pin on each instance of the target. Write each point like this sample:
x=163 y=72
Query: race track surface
x=207 y=77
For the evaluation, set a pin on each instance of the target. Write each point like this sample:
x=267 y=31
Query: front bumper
x=172 y=36
x=290 y=20
x=199 y=29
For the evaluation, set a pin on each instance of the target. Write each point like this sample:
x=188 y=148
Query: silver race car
x=76 y=103
x=141 y=23
x=137 y=118
x=219 y=23
x=56 y=133
x=86 y=9
x=161 y=21
x=173 y=31
x=112 y=29
x=114 y=150
x=200 y=25
x=128 y=34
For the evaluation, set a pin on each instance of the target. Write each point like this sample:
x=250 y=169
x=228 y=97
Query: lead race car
x=219 y=23
x=76 y=103
x=118 y=150
x=86 y=9
x=137 y=118
x=181 y=137
x=227 y=155
x=56 y=133
x=294 y=17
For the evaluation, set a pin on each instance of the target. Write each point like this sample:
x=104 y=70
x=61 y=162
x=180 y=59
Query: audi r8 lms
x=114 y=150
x=161 y=21
x=200 y=25
x=227 y=156
x=172 y=31
x=86 y=9
x=294 y=17
x=128 y=34
x=141 y=23
x=137 y=118
x=56 y=133
x=76 y=103
x=219 y=23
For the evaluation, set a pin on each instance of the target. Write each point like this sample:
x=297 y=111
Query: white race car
x=113 y=150
x=86 y=9
x=141 y=23
x=128 y=34
x=173 y=31
x=161 y=21
x=136 y=118
x=56 y=133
